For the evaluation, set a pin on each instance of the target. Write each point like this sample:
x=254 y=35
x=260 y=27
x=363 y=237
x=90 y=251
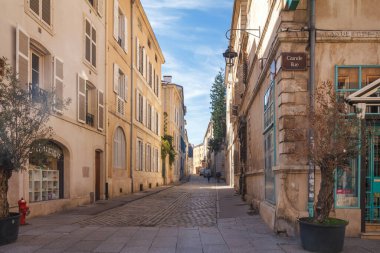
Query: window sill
x=46 y=27
x=90 y=66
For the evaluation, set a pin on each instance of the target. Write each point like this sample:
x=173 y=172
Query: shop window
x=119 y=149
x=45 y=172
x=346 y=187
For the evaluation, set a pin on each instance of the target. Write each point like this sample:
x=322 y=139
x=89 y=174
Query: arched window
x=119 y=149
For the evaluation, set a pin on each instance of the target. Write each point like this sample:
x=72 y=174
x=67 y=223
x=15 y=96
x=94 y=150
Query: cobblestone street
x=193 y=217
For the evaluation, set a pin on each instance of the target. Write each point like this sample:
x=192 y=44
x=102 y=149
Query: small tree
x=167 y=147
x=23 y=122
x=336 y=142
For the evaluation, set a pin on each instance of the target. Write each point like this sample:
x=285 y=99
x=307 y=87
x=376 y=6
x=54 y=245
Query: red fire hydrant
x=23 y=210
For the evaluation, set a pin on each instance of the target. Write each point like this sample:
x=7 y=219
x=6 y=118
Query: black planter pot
x=322 y=237
x=9 y=228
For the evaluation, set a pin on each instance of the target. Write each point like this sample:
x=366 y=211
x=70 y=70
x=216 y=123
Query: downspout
x=132 y=93
x=311 y=87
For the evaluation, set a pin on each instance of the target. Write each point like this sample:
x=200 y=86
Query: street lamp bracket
x=248 y=31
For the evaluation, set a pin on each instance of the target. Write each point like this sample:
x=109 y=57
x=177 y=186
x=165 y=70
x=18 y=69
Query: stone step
x=371 y=235
x=372 y=227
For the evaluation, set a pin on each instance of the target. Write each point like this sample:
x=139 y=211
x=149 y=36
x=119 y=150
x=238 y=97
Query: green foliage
x=218 y=111
x=167 y=148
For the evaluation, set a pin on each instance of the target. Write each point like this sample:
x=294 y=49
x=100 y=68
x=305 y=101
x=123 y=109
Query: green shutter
x=292 y=4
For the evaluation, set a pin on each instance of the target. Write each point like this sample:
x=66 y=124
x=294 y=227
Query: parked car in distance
x=202 y=172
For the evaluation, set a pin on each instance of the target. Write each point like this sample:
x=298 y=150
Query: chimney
x=168 y=79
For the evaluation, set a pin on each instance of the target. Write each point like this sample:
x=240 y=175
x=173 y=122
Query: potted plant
x=23 y=123
x=335 y=144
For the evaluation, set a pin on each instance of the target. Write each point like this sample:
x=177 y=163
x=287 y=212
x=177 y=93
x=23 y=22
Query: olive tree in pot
x=24 y=114
x=335 y=145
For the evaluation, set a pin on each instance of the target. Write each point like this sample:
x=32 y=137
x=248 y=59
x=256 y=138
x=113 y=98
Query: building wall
x=150 y=91
x=345 y=37
x=63 y=40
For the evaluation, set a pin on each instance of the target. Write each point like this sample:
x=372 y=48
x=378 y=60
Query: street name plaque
x=293 y=61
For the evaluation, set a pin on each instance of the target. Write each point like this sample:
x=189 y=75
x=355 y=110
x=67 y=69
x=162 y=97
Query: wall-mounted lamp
x=230 y=54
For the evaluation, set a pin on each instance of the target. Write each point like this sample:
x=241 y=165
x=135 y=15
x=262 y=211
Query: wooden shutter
x=144 y=62
x=125 y=88
x=137 y=155
x=120 y=105
x=116 y=19
x=22 y=56
x=100 y=110
x=115 y=78
x=58 y=85
x=125 y=34
x=46 y=11
x=81 y=99
x=144 y=111
x=137 y=106
x=100 y=7
x=137 y=53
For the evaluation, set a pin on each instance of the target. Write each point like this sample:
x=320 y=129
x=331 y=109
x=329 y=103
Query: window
x=120 y=26
x=139 y=108
x=42 y=10
x=346 y=186
x=157 y=159
x=269 y=138
x=90 y=102
x=157 y=123
x=139 y=155
x=90 y=43
x=148 y=157
x=119 y=149
x=97 y=5
x=149 y=116
x=150 y=73
x=120 y=88
x=139 y=25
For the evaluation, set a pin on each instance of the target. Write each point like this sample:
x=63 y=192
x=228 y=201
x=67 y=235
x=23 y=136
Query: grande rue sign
x=293 y=61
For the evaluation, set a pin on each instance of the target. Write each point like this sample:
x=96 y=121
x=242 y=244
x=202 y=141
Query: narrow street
x=196 y=216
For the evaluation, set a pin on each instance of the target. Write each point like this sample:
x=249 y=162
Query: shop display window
x=346 y=187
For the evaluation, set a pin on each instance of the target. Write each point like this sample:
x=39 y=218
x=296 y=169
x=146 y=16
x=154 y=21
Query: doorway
x=373 y=179
x=97 y=174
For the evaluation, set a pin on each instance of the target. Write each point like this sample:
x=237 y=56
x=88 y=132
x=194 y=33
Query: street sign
x=293 y=61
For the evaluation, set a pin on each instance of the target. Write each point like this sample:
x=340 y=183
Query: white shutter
x=46 y=11
x=58 y=85
x=137 y=53
x=125 y=34
x=120 y=105
x=116 y=19
x=100 y=7
x=125 y=88
x=22 y=56
x=144 y=62
x=147 y=69
x=100 y=110
x=153 y=119
x=81 y=99
x=144 y=111
x=115 y=78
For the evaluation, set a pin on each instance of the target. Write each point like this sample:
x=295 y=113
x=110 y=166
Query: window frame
x=38 y=17
x=92 y=43
x=119 y=151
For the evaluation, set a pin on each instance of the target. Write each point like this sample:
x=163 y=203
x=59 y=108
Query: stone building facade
x=268 y=91
x=50 y=51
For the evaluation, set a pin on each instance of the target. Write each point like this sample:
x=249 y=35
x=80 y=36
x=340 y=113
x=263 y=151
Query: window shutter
x=137 y=155
x=120 y=105
x=144 y=111
x=125 y=34
x=81 y=99
x=125 y=88
x=22 y=56
x=100 y=110
x=100 y=7
x=153 y=119
x=137 y=53
x=116 y=19
x=46 y=11
x=116 y=78
x=137 y=105
x=144 y=62
x=58 y=85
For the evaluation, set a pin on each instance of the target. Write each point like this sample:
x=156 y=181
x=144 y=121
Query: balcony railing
x=37 y=94
x=90 y=119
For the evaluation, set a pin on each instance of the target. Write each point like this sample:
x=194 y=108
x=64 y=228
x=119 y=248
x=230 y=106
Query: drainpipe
x=132 y=93
x=311 y=171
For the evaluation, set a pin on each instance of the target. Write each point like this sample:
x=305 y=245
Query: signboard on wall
x=293 y=61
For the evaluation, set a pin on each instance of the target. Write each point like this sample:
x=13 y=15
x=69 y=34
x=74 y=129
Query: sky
x=191 y=34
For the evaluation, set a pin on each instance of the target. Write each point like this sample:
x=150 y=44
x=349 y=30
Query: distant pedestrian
x=208 y=175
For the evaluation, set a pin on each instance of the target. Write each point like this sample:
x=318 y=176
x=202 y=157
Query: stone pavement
x=193 y=217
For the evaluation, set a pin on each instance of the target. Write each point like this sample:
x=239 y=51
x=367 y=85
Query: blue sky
x=191 y=34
